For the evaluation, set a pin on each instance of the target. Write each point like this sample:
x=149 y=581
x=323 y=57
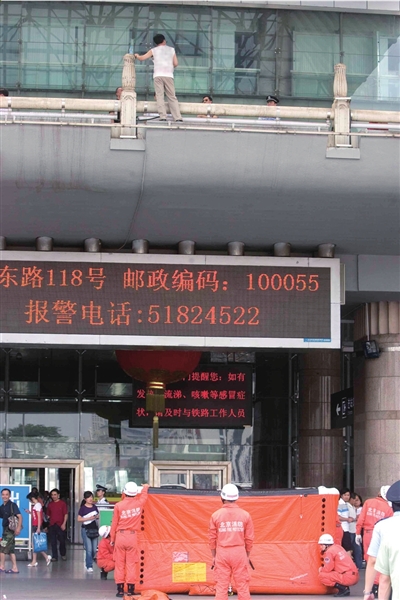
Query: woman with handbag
x=88 y=515
x=39 y=539
x=12 y=525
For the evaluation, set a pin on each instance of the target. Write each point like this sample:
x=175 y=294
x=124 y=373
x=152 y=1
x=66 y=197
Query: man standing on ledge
x=165 y=61
x=231 y=536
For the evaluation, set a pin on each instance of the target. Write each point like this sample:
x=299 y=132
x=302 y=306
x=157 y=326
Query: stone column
x=128 y=95
x=377 y=399
x=340 y=108
x=320 y=448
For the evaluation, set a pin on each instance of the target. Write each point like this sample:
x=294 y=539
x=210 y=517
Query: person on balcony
x=165 y=61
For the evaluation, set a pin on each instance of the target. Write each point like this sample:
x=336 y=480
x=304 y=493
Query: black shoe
x=375 y=588
x=162 y=119
x=179 y=121
x=54 y=560
x=63 y=558
x=343 y=591
x=120 y=590
x=103 y=574
x=131 y=589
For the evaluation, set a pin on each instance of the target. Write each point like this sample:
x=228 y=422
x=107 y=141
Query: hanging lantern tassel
x=155 y=403
x=155 y=431
x=155 y=397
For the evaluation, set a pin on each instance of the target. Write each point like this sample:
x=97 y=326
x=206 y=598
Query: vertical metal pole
x=345 y=383
x=6 y=391
x=290 y=417
x=211 y=46
x=349 y=427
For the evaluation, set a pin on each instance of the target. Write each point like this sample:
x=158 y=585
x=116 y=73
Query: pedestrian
x=57 y=513
x=165 y=61
x=355 y=548
x=272 y=100
x=345 y=519
x=7 y=545
x=36 y=513
x=388 y=559
x=124 y=526
x=207 y=99
x=373 y=510
x=101 y=494
x=339 y=570
x=105 y=552
x=88 y=516
x=382 y=528
x=231 y=537
x=118 y=93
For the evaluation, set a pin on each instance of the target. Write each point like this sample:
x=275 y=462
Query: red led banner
x=190 y=300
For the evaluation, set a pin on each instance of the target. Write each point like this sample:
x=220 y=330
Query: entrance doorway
x=196 y=475
x=45 y=475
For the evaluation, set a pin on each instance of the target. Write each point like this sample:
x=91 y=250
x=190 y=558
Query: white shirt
x=163 y=61
x=388 y=560
x=103 y=501
x=381 y=528
x=343 y=511
x=353 y=514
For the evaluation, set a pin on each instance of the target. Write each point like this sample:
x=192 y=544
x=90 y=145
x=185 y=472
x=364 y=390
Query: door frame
x=42 y=463
x=157 y=466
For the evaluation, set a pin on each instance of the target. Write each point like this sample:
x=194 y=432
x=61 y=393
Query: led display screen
x=191 y=300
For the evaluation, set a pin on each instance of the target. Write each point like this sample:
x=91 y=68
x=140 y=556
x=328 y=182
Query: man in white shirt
x=344 y=518
x=384 y=551
x=165 y=61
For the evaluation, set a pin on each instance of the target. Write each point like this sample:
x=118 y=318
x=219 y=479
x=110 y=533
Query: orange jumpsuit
x=231 y=535
x=105 y=555
x=373 y=510
x=338 y=568
x=124 y=526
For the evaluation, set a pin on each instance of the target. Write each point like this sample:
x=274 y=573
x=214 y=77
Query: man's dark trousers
x=57 y=534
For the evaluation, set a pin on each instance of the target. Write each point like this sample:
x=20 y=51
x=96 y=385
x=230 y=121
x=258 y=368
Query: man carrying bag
x=12 y=525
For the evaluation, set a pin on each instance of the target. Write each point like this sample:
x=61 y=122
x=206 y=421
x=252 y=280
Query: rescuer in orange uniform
x=105 y=552
x=124 y=527
x=373 y=510
x=339 y=570
x=231 y=536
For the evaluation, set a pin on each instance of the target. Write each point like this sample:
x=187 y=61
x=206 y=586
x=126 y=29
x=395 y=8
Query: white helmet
x=230 y=492
x=104 y=531
x=326 y=539
x=384 y=491
x=130 y=489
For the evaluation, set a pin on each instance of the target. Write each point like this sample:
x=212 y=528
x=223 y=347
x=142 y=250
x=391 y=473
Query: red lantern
x=157 y=368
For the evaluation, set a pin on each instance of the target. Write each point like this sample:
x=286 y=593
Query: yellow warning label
x=189 y=572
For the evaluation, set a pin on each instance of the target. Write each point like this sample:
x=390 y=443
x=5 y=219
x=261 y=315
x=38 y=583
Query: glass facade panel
x=237 y=54
x=92 y=423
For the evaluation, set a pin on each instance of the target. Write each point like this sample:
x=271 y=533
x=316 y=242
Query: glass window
x=114 y=464
x=78 y=48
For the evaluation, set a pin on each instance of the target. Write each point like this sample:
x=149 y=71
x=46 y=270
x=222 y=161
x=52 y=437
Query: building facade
x=65 y=410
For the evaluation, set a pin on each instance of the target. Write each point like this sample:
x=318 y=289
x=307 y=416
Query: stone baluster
x=341 y=108
x=128 y=95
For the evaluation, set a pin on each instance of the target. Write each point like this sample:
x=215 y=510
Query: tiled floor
x=69 y=581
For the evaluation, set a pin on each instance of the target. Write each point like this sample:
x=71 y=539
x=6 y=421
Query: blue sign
x=18 y=495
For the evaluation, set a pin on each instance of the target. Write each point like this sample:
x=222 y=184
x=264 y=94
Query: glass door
x=25 y=477
x=190 y=475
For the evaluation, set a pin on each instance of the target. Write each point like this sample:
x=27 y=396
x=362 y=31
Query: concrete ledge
x=137 y=145
x=346 y=153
